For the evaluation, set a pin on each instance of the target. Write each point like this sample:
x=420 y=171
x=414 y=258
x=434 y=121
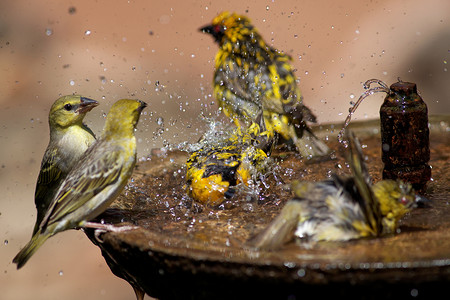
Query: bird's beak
x=422 y=201
x=207 y=29
x=86 y=105
x=142 y=106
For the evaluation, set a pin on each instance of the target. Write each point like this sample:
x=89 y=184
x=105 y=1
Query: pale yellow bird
x=340 y=209
x=69 y=139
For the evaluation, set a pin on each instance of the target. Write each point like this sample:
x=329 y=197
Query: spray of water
x=382 y=87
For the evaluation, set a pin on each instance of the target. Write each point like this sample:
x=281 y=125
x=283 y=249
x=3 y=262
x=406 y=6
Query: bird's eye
x=404 y=200
x=68 y=107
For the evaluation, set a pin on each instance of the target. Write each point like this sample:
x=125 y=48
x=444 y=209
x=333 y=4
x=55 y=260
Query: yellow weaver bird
x=69 y=139
x=214 y=171
x=250 y=77
x=339 y=209
x=95 y=181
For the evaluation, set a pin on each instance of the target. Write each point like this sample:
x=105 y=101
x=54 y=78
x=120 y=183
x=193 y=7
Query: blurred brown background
x=153 y=51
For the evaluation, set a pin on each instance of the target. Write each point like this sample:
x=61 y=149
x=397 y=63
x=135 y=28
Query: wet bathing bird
x=252 y=77
x=215 y=170
x=339 y=209
x=95 y=180
x=69 y=139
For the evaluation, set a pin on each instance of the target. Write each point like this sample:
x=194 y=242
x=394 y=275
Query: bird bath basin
x=182 y=250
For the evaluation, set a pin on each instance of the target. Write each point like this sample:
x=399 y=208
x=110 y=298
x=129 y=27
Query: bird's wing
x=285 y=90
x=89 y=177
x=241 y=76
x=49 y=174
x=363 y=181
x=280 y=230
x=268 y=82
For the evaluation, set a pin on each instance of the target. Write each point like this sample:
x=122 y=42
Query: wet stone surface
x=189 y=251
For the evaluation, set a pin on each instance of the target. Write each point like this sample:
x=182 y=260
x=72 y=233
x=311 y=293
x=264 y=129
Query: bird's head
x=394 y=193
x=70 y=110
x=123 y=117
x=396 y=198
x=230 y=27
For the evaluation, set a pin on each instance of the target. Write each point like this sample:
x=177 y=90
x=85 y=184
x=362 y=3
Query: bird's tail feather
x=310 y=146
x=33 y=245
x=363 y=181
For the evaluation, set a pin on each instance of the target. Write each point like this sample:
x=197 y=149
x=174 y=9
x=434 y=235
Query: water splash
x=216 y=134
x=369 y=91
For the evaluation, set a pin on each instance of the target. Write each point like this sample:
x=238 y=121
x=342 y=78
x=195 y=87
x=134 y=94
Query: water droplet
x=160 y=121
x=72 y=10
x=342 y=75
x=48 y=31
x=61 y=273
x=72 y=82
x=164 y=19
x=352 y=96
x=267 y=7
x=301 y=272
x=6 y=242
x=87 y=32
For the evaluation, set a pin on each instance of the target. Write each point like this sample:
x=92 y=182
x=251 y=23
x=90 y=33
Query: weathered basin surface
x=181 y=250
